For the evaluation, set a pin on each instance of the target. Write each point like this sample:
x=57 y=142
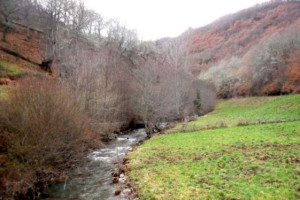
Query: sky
x=154 y=19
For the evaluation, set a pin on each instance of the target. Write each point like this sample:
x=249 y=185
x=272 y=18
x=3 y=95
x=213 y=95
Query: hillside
x=235 y=34
x=252 y=52
x=229 y=46
x=244 y=161
x=21 y=56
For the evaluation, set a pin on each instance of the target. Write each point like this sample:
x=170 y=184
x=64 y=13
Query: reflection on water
x=93 y=179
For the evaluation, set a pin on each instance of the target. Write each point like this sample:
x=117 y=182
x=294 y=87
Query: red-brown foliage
x=236 y=34
x=264 y=37
x=42 y=134
x=17 y=41
x=293 y=73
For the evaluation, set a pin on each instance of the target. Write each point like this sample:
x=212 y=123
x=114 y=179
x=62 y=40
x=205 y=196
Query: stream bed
x=93 y=179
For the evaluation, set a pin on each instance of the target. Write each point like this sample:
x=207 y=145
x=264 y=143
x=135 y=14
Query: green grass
x=243 y=111
x=9 y=70
x=260 y=161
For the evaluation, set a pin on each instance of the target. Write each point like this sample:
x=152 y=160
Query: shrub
x=41 y=128
x=225 y=75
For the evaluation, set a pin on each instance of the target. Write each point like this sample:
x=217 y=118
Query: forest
x=72 y=80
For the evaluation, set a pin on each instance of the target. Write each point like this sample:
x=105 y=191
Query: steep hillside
x=21 y=55
x=235 y=34
x=253 y=52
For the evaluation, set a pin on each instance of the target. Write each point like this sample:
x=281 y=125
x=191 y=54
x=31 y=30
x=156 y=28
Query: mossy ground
x=260 y=161
x=10 y=70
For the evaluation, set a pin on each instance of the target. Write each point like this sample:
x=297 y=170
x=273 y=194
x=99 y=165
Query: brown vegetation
x=42 y=135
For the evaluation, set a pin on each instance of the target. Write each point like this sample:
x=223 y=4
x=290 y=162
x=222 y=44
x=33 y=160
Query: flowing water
x=93 y=179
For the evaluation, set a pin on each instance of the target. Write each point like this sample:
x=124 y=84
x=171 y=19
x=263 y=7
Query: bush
x=225 y=75
x=41 y=128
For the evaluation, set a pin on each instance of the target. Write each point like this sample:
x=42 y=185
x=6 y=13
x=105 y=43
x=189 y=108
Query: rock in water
x=117 y=191
x=115 y=174
x=126 y=193
x=122 y=169
x=115 y=180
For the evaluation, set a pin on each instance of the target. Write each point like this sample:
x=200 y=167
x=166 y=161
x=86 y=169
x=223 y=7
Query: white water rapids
x=93 y=179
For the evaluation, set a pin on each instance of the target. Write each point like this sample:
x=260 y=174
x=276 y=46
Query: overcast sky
x=154 y=19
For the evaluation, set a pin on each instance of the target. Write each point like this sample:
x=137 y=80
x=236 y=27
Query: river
x=93 y=179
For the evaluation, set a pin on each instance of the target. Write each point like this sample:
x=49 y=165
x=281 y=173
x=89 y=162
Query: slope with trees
x=245 y=50
x=71 y=79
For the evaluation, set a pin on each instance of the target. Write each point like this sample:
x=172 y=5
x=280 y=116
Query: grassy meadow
x=246 y=159
x=244 y=111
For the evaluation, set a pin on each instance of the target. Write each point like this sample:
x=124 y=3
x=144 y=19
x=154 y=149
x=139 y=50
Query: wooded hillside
x=252 y=52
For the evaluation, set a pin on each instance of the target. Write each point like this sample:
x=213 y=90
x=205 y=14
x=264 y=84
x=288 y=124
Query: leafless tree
x=225 y=75
x=149 y=97
x=98 y=26
x=9 y=10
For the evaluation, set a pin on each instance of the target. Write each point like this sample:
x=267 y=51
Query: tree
x=98 y=26
x=225 y=75
x=8 y=11
x=150 y=99
x=177 y=56
x=56 y=13
x=197 y=101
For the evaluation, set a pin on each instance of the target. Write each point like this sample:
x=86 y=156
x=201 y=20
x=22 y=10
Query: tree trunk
x=5 y=31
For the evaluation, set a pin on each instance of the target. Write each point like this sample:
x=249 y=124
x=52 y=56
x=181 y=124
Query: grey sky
x=154 y=19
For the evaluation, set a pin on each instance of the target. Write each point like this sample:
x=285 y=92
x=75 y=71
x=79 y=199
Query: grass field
x=260 y=161
x=243 y=111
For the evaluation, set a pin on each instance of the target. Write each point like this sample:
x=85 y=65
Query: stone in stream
x=125 y=160
x=115 y=180
x=102 y=170
x=118 y=191
x=126 y=193
x=122 y=180
x=115 y=174
x=122 y=169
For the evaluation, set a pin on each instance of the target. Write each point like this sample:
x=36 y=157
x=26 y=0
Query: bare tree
x=149 y=98
x=98 y=26
x=8 y=11
x=225 y=75
x=100 y=85
x=177 y=56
